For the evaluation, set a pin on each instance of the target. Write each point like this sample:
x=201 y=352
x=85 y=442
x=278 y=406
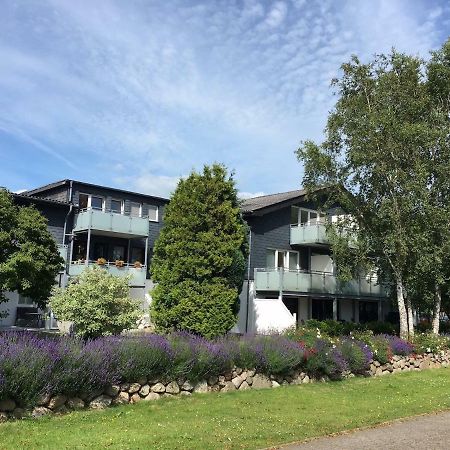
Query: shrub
x=399 y=346
x=200 y=256
x=357 y=354
x=430 y=343
x=381 y=327
x=381 y=348
x=97 y=302
x=326 y=358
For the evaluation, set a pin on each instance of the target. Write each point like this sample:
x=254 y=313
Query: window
x=83 y=201
x=118 y=252
x=284 y=259
x=135 y=209
x=303 y=216
x=137 y=254
x=100 y=251
x=322 y=309
x=368 y=311
x=96 y=202
x=117 y=206
x=153 y=213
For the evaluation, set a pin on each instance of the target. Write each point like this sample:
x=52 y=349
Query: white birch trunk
x=402 y=310
x=436 y=309
x=409 y=310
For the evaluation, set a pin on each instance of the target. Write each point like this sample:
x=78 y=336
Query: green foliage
x=386 y=157
x=29 y=258
x=97 y=302
x=200 y=256
x=430 y=343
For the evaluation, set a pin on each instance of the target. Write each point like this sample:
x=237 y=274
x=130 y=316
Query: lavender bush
x=31 y=366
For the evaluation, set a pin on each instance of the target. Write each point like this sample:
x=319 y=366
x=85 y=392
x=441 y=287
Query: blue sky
x=135 y=94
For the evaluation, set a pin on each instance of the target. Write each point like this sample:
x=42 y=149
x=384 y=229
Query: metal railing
x=111 y=211
x=313 y=282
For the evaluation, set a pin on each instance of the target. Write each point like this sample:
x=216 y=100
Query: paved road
x=424 y=432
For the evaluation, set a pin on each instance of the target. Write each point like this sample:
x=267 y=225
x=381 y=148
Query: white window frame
x=140 y=209
x=157 y=213
x=319 y=219
x=89 y=206
x=285 y=258
x=121 y=205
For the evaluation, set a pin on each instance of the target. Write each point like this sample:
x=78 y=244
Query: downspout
x=66 y=219
x=248 y=277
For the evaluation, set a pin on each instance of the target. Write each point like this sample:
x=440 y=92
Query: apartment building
x=96 y=225
x=291 y=276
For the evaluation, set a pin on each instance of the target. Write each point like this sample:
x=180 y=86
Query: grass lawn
x=249 y=419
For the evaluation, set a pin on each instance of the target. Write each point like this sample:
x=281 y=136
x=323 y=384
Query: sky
x=136 y=93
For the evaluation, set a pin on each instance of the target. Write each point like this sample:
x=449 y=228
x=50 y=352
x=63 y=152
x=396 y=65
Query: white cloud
x=245 y=195
x=158 y=185
x=277 y=14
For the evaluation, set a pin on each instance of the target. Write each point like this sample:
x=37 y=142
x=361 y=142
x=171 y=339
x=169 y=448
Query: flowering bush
x=430 y=343
x=31 y=366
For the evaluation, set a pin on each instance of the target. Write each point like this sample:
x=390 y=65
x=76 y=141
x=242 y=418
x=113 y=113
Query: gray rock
x=18 y=413
x=167 y=395
x=213 y=380
x=122 y=398
x=134 y=387
x=134 y=398
x=306 y=379
x=112 y=390
x=43 y=400
x=3 y=417
x=173 y=388
x=249 y=380
x=275 y=384
x=100 y=402
x=251 y=373
x=124 y=387
x=185 y=393
x=261 y=382
x=57 y=401
x=229 y=386
x=152 y=396
x=145 y=390
x=40 y=411
x=244 y=386
x=201 y=387
x=244 y=375
x=75 y=403
x=7 y=405
x=237 y=381
x=159 y=388
x=238 y=370
x=142 y=381
x=187 y=386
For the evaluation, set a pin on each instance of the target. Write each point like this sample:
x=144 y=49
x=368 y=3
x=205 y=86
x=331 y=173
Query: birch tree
x=373 y=156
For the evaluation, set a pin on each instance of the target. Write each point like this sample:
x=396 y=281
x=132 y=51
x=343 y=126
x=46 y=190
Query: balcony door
x=282 y=259
x=303 y=216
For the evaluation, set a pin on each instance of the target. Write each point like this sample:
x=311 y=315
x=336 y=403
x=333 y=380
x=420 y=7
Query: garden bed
x=41 y=376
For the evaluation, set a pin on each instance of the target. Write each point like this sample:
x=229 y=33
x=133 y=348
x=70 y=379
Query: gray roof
x=251 y=205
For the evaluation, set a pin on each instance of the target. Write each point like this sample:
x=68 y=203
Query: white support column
x=72 y=239
x=146 y=253
x=335 y=308
x=128 y=251
x=88 y=246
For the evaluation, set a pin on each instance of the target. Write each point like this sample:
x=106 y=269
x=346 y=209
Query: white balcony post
x=335 y=308
x=86 y=261
x=146 y=252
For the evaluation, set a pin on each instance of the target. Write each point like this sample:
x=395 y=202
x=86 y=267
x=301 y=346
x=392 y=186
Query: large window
x=284 y=259
x=118 y=252
x=135 y=209
x=303 y=216
x=368 y=311
x=117 y=206
x=153 y=213
x=322 y=309
x=90 y=201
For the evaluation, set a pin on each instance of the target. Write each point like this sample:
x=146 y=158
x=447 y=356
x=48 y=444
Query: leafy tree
x=375 y=157
x=29 y=258
x=200 y=256
x=97 y=302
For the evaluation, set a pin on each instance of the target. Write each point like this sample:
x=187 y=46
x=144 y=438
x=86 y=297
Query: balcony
x=316 y=283
x=137 y=275
x=309 y=234
x=110 y=222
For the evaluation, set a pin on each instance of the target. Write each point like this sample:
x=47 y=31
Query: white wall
x=321 y=263
x=10 y=306
x=270 y=315
x=303 y=309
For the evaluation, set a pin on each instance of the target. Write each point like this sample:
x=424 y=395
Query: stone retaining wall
x=237 y=379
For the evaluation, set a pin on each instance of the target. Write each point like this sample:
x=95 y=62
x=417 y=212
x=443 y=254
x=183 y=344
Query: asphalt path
x=430 y=432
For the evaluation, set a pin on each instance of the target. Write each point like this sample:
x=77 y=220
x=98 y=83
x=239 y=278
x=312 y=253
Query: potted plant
x=119 y=263
x=137 y=265
x=101 y=261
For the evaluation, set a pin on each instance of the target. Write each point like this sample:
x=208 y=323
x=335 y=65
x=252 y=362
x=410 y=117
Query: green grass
x=249 y=419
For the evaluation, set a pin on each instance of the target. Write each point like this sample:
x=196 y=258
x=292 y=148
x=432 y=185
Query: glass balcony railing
x=316 y=283
x=97 y=219
x=307 y=234
x=137 y=274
